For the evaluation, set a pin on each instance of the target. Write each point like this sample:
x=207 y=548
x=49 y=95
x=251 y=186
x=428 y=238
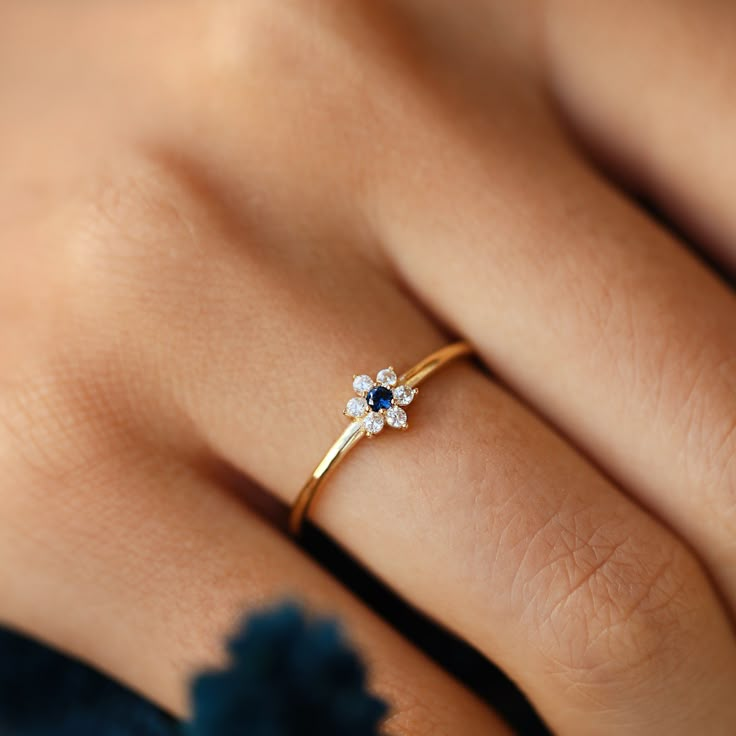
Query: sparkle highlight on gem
x=387 y=377
x=362 y=384
x=356 y=407
x=403 y=395
x=373 y=423
x=396 y=417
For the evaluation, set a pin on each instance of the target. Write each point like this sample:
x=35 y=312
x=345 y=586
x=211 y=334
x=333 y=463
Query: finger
x=648 y=85
x=592 y=312
x=481 y=516
x=143 y=566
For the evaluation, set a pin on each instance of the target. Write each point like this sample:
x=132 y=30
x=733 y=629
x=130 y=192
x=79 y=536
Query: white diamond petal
x=403 y=395
x=362 y=384
x=356 y=407
x=387 y=377
x=396 y=417
x=373 y=423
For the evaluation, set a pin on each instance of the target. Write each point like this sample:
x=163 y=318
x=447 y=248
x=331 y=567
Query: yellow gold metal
x=354 y=432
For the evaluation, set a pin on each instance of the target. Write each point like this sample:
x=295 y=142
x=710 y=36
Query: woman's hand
x=214 y=214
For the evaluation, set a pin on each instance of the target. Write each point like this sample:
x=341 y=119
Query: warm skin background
x=212 y=214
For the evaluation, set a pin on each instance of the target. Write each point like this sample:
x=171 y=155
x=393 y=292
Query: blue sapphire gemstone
x=379 y=398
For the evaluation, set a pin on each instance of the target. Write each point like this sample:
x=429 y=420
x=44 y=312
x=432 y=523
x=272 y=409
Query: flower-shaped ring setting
x=376 y=403
x=379 y=403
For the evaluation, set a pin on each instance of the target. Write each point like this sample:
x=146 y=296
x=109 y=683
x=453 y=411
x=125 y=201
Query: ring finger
x=527 y=551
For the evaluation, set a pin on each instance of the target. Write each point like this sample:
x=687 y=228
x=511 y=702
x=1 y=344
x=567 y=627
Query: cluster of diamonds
x=379 y=402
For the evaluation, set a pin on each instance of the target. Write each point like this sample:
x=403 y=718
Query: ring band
x=376 y=404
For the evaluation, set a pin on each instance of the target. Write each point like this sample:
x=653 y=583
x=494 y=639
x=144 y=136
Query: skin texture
x=214 y=214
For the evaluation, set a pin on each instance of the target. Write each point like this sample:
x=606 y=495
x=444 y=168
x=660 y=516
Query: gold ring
x=376 y=404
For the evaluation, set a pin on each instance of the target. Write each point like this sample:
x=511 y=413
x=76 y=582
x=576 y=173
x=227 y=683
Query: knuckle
x=152 y=231
x=55 y=425
x=247 y=37
x=139 y=203
x=619 y=606
x=67 y=394
x=373 y=95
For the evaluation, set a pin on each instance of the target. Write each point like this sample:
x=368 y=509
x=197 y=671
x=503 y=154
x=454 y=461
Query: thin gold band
x=354 y=432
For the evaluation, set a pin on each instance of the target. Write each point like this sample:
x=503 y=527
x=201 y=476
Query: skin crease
x=170 y=288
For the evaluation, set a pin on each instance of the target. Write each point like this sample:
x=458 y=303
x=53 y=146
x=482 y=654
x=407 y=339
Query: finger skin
x=479 y=514
x=142 y=566
x=595 y=314
x=208 y=282
x=649 y=87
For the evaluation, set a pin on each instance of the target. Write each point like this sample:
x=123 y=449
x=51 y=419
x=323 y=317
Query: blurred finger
x=650 y=87
x=142 y=567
